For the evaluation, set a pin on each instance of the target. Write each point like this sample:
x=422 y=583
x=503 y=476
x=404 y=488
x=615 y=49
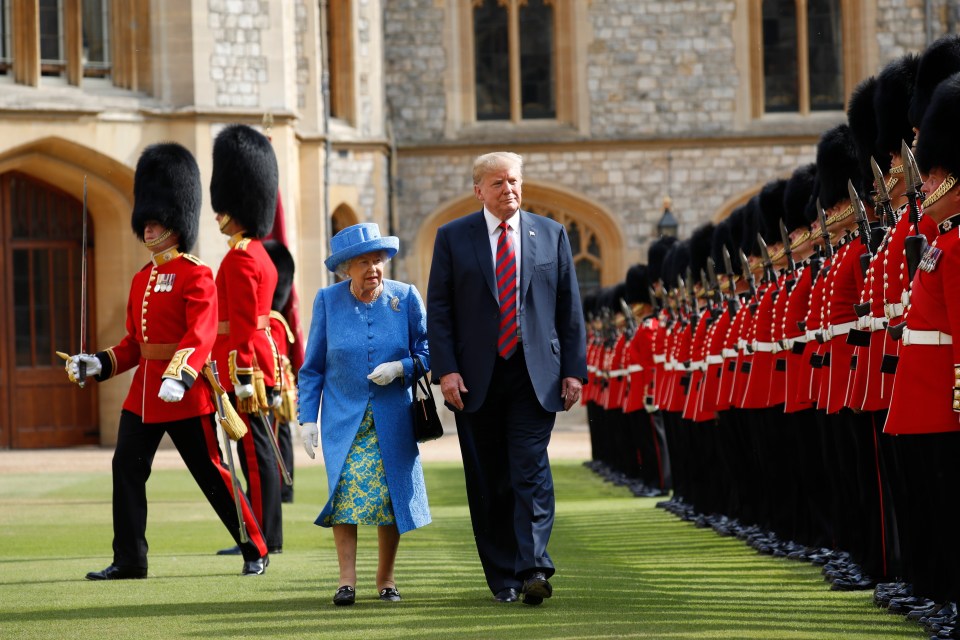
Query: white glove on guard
x=73 y=366
x=171 y=390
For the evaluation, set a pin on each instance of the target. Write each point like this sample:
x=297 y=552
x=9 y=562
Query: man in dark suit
x=508 y=344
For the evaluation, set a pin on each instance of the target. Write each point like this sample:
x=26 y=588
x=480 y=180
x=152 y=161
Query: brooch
x=395 y=303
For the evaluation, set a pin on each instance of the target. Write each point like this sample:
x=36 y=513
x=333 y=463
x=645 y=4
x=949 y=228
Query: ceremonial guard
x=171 y=326
x=243 y=192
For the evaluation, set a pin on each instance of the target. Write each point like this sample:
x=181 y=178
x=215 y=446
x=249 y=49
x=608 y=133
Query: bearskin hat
x=283 y=261
x=727 y=234
x=940 y=61
x=796 y=195
x=891 y=102
x=245 y=178
x=675 y=264
x=167 y=189
x=836 y=163
x=751 y=227
x=655 y=256
x=638 y=285
x=771 y=210
x=701 y=242
x=589 y=303
x=862 y=120
x=939 y=141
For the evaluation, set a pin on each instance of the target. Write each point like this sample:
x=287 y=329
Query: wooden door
x=40 y=285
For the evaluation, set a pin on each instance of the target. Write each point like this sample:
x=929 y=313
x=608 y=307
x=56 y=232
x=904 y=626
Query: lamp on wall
x=668 y=225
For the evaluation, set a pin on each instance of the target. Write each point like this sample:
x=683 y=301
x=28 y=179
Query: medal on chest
x=931 y=257
x=164 y=282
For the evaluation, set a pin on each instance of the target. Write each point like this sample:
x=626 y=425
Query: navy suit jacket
x=463 y=311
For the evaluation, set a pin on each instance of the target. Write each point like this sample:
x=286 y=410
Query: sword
x=81 y=365
x=222 y=415
x=287 y=479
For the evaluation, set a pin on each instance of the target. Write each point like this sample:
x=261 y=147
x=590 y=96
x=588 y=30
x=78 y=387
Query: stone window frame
x=857 y=54
x=340 y=58
x=571 y=32
x=128 y=37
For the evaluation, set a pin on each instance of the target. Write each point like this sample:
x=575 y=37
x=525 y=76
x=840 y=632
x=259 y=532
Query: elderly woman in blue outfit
x=359 y=361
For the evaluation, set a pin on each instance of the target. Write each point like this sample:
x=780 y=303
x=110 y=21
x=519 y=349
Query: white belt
x=591 y=368
x=729 y=353
x=634 y=368
x=811 y=334
x=912 y=336
x=714 y=360
x=765 y=347
x=670 y=366
x=893 y=310
x=741 y=345
x=618 y=373
x=698 y=365
x=875 y=324
x=841 y=329
x=659 y=358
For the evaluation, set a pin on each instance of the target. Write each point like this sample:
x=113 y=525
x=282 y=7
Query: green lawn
x=626 y=570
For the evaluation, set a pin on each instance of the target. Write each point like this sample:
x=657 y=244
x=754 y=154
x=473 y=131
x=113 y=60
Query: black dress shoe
x=255 y=567
x=536 y=588
x=273 y=550
x=506 y=595
x=390 y=594
x=113 y=572
x=230 y=551
x=345 y=595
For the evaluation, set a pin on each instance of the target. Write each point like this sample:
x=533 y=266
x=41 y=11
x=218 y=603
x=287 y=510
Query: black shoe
x=231 y=551
x=255 y=567
x=390 y=594
x=113 y=572
x=345 y=595
x=536 y=588
x=272 y=550
x=506 y=595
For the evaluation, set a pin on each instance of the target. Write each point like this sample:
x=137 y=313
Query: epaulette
x=242 y=244
x=194 y=259
x=279 y=317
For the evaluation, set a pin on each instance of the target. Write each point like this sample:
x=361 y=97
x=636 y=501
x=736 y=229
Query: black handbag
x=426 y=422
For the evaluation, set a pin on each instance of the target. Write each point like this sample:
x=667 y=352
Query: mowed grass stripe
x=626 y=570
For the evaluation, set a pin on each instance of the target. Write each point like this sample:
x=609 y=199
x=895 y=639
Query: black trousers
x=285 y=440
x=196 y=441
x=509 y=484
x=260 y=469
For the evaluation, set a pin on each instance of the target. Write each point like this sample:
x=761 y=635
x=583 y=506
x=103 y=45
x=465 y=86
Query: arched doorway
x=40 y=284
x=596 y=239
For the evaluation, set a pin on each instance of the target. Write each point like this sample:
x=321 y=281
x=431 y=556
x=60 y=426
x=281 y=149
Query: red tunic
x=745 y=356
x=172 y=320
x=843 y=285
x=778 y=377
x=714 y=361
x=679 y=359
x=922 y=400
x=815 y=350
x=698 y=349
x=756 y=393
x=640 y=366
x=731 y=357
x=617 y=374
x=245 y=284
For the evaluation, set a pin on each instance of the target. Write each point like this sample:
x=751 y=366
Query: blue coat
x=465 y=309
x=347 y=340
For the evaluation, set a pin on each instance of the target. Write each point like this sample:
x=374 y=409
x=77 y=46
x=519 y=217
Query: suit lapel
x=481 y=246
x=528 y=251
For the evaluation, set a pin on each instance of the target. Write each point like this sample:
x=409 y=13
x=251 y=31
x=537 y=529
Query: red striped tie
x=507 y=290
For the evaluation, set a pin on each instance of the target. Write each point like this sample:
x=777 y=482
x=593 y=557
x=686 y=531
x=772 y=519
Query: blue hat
x=357 y=240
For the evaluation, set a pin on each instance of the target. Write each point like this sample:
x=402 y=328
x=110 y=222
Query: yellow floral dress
x=361 y=496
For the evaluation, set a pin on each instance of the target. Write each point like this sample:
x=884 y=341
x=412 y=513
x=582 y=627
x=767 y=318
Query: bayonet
x=733 y=303
x=748 y=275
x=916 y=243
x=882 y=196
x=769 y=275
x=860 y=214
x=787 y=249
x=824 y=233
x=628 y=317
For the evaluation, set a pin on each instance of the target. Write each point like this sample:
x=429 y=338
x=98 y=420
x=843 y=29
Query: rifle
x=210 y=371
x=915 y=244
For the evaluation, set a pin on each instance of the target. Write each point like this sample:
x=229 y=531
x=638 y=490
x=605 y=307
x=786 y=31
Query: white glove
x=420 y=393
x=73 y=366
x=171 y=390
x=276 y=400
x=310 y=434
x=243 y=391
x=386 y=373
